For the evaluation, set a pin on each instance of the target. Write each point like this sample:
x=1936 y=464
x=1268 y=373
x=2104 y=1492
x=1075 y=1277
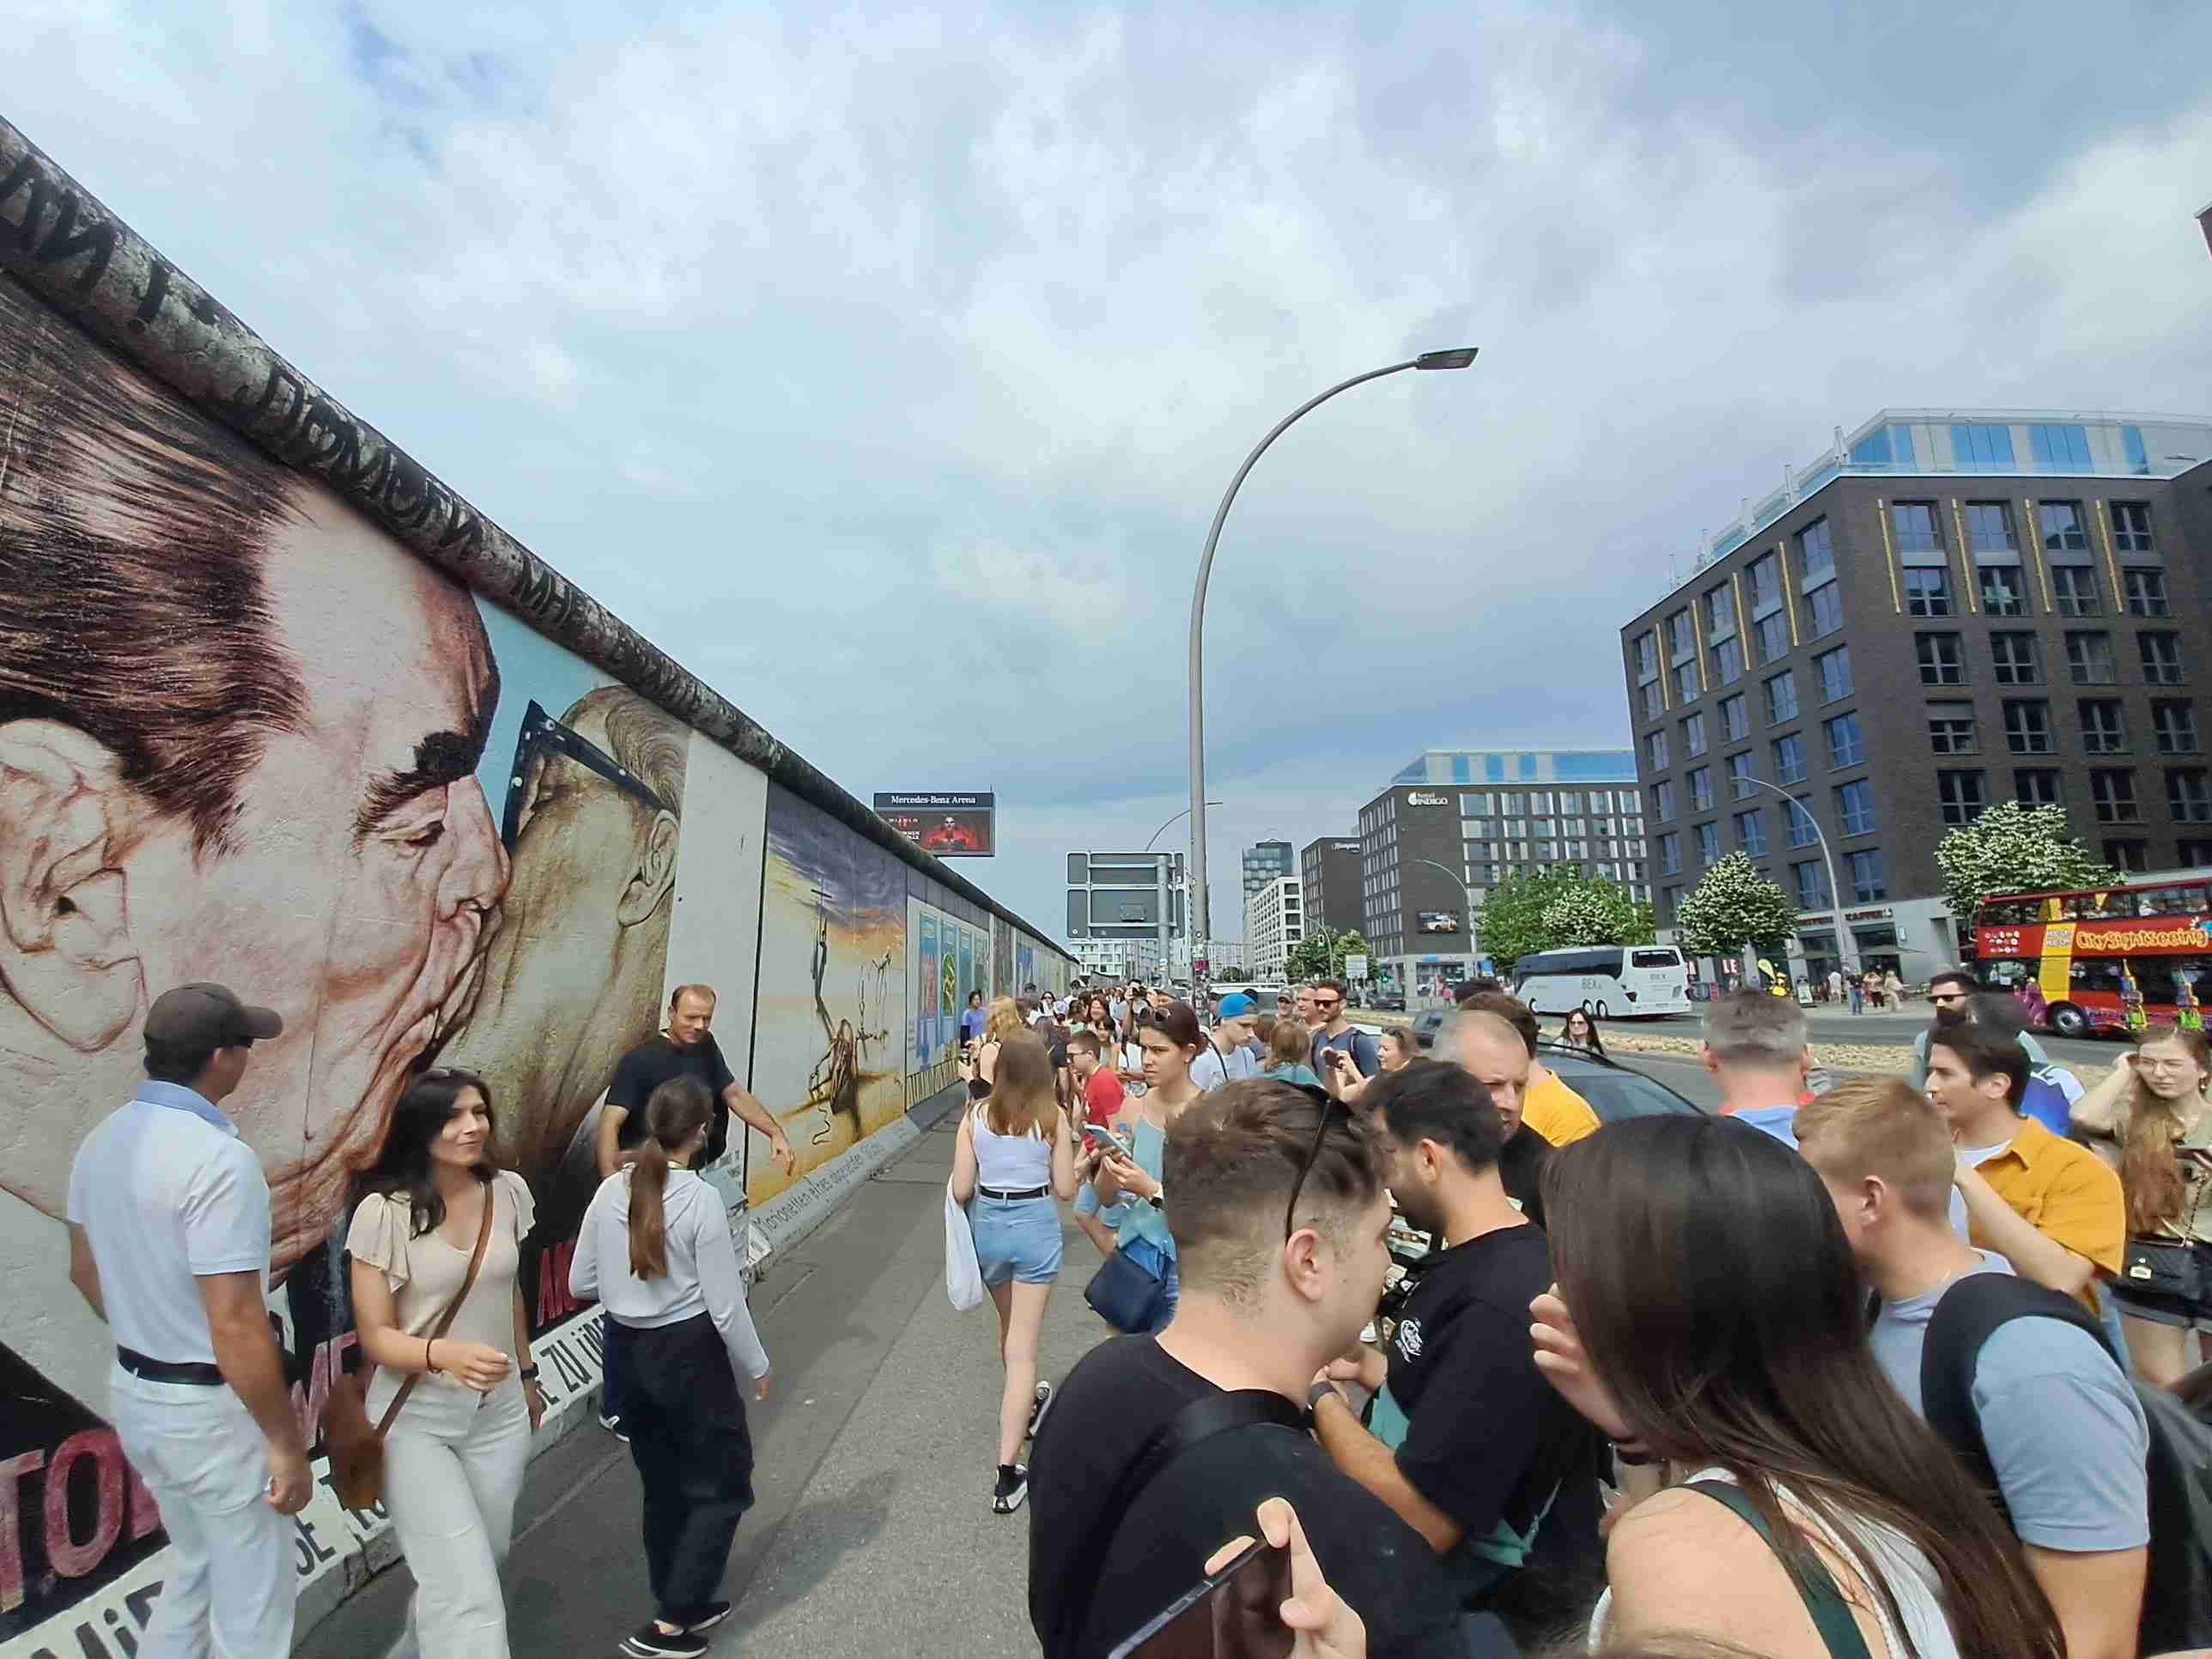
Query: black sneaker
x=1037 y=1409
x=649 y=1641
x=705 y=1617
x=1012 y=1488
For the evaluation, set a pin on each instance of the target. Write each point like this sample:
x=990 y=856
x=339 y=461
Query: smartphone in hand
x=1233 y=1612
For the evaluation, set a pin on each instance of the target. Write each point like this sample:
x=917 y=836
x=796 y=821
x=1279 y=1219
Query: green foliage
x=1321 y=954
x=2011 y=849
x=1556 y=909
x=1231 y=976
x=1731 y=905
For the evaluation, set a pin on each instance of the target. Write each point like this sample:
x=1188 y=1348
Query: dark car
x=1615 y=1091
x=1427 y=1024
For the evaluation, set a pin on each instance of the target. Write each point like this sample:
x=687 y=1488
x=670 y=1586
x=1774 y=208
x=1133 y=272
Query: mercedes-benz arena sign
x=951 y=823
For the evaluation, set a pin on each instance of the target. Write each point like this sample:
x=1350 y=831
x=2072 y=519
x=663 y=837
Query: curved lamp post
x=1846 y=946
x=1465 y=892
x=1202 y=910
x=1178 y=819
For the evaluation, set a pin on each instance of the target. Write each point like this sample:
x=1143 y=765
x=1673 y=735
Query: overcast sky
x=885 y=366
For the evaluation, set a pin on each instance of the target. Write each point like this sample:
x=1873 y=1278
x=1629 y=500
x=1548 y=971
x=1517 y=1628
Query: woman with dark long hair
x=1579 y=1031
x=656 y=1248
x=1708 y=1309
x=454 y=1457
x=2153 y=1104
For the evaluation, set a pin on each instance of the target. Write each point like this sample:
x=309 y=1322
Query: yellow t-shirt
x=2066 y=1192
x=1557 y=1112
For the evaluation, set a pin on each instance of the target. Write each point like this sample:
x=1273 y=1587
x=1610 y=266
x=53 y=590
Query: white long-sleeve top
x=703 y=1274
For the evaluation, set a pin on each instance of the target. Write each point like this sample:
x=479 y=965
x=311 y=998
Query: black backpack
x=2177 y=1610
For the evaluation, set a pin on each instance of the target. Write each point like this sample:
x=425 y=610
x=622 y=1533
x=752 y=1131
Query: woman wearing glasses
x=1125 y=1200
x=2153 y=1105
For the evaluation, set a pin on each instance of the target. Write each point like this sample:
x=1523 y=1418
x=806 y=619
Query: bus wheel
x=2067 y=1021
x=1602 y=1013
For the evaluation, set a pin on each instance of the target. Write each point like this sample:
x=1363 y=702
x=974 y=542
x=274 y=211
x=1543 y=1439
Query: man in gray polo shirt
x=169 y=1227
x=2065 y=1433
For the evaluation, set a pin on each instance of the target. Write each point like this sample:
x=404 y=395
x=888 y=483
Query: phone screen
x=1233 y=1613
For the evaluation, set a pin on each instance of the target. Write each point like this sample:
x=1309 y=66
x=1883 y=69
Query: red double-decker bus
x=2113 y=959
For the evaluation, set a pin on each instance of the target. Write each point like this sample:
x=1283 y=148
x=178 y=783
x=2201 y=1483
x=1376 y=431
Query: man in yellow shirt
x=1549 y=1105
x=2051 y=1208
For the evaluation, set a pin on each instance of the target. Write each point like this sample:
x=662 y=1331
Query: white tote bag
x=963 y=1274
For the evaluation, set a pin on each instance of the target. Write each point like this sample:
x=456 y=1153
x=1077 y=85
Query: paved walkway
x=873 y=1533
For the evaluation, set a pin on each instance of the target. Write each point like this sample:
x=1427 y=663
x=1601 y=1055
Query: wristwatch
x=1313 y=1397
x=528 y=1373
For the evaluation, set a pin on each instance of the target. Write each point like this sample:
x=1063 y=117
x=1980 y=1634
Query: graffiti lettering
x=554 y=1301
x=11 y=1527
x=63 y=241
x=66 y=1554
x=313 y=1550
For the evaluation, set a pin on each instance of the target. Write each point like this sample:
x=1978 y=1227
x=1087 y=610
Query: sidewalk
x=872 y=1533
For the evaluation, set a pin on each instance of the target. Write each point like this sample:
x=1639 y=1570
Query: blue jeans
x=611 y=1378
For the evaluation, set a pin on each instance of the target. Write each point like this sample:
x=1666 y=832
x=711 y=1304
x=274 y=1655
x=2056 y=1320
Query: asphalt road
x=1829 y=1025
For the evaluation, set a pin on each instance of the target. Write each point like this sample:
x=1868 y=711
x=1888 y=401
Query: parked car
x=1427 y=1024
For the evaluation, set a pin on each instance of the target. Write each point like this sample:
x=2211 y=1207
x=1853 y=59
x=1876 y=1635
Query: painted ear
x=650 y=882
x=66 y=954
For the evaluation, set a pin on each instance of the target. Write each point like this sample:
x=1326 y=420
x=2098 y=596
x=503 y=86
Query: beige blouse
x=424 y=1272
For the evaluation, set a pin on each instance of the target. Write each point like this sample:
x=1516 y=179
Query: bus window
x=2012 y=913
x=2155 y=979
x=2096 y=906
x=2175 y=901
x=2008 y=973
x=2096 y=973
x=1669 y=958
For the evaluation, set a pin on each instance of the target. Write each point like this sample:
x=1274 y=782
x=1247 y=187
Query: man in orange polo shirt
x=1549 y=1107
x=2051 y=1208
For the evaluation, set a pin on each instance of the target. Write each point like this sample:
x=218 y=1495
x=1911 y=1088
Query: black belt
x=195 y=1373
x=1027 y=1191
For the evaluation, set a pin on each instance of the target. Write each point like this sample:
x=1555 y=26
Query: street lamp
x=1846 y=946
x=1178 y=817
x=1464 y=893
x=1202 y=911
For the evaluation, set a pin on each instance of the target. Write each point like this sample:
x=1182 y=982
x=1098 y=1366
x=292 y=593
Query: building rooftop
x=1463 y=766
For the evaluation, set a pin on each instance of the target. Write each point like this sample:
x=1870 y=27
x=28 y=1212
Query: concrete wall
x=278 y=709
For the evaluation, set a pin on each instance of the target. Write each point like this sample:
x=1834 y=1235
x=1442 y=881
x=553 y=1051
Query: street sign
x=1355 y=967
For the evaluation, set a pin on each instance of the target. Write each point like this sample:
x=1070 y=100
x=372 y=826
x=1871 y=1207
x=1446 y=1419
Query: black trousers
x=686 y=1422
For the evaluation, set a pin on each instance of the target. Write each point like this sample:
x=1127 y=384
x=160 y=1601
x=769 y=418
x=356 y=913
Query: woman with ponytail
x=655 y=1248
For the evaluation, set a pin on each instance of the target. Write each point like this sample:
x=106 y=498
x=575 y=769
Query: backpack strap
x=1832 y=1616
x=1198 y=1421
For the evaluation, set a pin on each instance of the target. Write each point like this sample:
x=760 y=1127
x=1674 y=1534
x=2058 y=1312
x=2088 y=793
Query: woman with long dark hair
x=1708 y=1309
x=1124 y=1199
x=454 y=1457
x=1013 y=1165
x=1579 y=1031
x=656 y=1248
x=2153 y=1104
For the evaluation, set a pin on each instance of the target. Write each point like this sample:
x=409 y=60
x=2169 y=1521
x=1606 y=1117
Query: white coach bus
x=1613 y=981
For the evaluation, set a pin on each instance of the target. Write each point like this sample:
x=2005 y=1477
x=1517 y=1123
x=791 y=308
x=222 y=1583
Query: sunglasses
x=1329 y=1002
x=1327 y=1104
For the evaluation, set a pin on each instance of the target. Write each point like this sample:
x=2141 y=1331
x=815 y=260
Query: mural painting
x=925 y=1045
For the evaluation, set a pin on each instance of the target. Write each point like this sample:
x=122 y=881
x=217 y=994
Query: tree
x=1231 y=976
x=1731 y=906
x=1597 y=912
x=1321 y=954
x=1557 y=908
x=2010 y=848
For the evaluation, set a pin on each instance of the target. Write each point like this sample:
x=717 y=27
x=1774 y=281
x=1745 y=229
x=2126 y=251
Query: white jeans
x=230 y=1590
x=452 y=1468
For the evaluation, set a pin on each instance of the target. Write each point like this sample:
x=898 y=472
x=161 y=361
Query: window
x=1834 y=668
x=1571 y=801
x=1803 y=831
x=1989 y=527
x=1681 y=637
x=2162 y=658
x=1516 y=804
x=2018 y=659
x=1773 y=632
x=1720 y=613
x=2103 y=726
x=1663 y=801
x=2073 y=588
x=2060 y=448
x=2027 y=728
x=1735 y=719
x=2174 y=726
x=1766 y=574
x=1540 y=802
x=1965 y=796
x=1750 y=833
x=1824 y=610
x=2062 y=529
x=1654 y=750
x=1782 y=698
x=1708 y=843
x=1700 y=780
x=1816 y=555
x=1866 y=878
x=1670 y=899
x=2129 y=856
x=2089 y=659
x=1789 y=759
x=1982 y=448
x=1670 y=853
x=2004 y=593
x=1845 y=747
x=2114 y=794
x=1686 y=688
x=2194 y=853
x=1647 y=656
x=1927 y=592
x=1913 y=523
x=1728 y=662
x=1951 y=729
x=2132 y=527
x=1812 y=885
x=1942 y=659
x=2035 y=786
x=1655 y=700
x=1693 y=735
x=2189 y=794
x=2146 y=592
x=1854 y=807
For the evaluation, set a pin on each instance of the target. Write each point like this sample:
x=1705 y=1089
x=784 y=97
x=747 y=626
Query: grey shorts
x=1016 y=1238
x=2158 y=1308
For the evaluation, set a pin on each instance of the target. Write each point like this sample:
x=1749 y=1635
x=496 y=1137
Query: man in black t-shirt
x=687 y=1047
x=1463 y=1439
x=1280 y=1265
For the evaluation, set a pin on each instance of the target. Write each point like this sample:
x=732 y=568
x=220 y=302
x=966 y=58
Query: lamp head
x=1457 y=357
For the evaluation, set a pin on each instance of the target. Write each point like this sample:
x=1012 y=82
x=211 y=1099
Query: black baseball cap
x=208 y=1017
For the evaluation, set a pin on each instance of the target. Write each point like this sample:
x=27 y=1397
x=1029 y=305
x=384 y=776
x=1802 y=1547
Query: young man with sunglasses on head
x=1279 y=1213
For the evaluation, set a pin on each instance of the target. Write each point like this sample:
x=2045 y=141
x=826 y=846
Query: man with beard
x=1463 y=1438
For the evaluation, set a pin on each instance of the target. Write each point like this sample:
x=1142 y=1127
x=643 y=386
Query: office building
x=1266 y=861
x=1945 y=609
x=1455 y=821
x=1328 y=869
x=1274 y=922
x=1131 y=899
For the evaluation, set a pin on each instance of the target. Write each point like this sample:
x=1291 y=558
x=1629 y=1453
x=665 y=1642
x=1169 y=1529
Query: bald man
x=1488 y=1050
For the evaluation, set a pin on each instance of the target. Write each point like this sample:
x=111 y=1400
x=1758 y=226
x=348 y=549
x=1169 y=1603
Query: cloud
x=886 y=366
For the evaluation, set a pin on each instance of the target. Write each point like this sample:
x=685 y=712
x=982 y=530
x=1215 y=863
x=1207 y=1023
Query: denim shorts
x=1016 y=1238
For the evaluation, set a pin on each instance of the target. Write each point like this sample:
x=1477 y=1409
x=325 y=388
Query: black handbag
x=2162 y=1269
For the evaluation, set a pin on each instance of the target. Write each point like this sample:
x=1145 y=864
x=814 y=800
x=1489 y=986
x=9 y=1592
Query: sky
x=885 y=365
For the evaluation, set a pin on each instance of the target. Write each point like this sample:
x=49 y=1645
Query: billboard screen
x=1435 y=922
x=952 y=823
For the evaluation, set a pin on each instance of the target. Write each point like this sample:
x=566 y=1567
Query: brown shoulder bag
x=355 y=1446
